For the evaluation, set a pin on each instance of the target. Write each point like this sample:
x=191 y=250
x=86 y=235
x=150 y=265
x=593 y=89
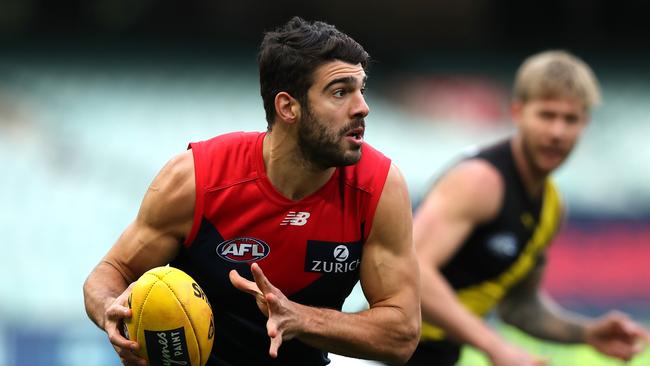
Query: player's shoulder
x=176 y=178
x=231 y=139
x=170 y=197
x=395 y=176
x=473 y=188
x=179 y=168
x=228 y=158
x=475 y=175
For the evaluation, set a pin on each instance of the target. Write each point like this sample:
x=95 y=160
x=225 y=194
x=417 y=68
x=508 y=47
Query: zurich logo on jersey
x=240 y=250
x=332 y=257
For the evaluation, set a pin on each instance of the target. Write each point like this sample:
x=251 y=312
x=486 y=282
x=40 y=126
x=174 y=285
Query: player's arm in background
x=152 y=239
x=387 y=331
x=530 y=309
x=469 y=194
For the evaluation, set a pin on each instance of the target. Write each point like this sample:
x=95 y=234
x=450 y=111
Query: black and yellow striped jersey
x=500 y=253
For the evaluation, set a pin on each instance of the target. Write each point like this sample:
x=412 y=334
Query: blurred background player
x=308 y=201
x=482 y=231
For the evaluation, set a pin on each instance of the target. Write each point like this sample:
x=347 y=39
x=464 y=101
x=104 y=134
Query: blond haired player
x=482 y=231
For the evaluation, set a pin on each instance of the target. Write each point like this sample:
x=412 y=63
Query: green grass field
x=559 y=355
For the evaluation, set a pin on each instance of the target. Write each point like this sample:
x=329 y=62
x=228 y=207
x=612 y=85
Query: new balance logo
x=296 y=218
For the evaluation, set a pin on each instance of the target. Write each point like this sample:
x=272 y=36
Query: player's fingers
x=631 y=349
x=632 y=335
x=262 y=282
x=271 y=328
x=274 y=304
x=116 y=337
x=126 y=357
x=643 y=339
x=119 y=340
x=127 y=291
x=620 y=320
x=637 y=332
x=243 y=284
x=276 y=342
x=129 y=358
x=622 y=351
x=122 y=299
x=639 y=345
x=117 y=312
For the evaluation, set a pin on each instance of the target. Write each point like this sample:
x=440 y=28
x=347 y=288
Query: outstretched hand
x=616 y=335
x=281 y=312
x=113 y=320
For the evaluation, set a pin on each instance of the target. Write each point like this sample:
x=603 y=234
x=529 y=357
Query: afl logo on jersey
x=241 y=250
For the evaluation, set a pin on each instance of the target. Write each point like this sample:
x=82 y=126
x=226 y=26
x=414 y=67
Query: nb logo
x=296 y=218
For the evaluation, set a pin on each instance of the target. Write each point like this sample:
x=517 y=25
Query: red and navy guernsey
x=310 y=249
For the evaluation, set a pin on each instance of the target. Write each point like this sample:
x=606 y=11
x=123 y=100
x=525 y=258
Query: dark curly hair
x=290 y=54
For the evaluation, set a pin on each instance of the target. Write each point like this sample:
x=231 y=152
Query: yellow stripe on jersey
x=480 y=299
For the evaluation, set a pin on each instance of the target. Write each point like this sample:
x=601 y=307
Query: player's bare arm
x=530 y=309
x=469 y=194
x=151 y=240
x=389 y=329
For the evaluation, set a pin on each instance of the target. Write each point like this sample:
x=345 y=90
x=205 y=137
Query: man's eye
x=572 y=119
x=339 y=92
x=546 y=115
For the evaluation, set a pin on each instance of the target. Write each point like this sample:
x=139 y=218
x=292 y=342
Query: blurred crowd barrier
x=81 y=138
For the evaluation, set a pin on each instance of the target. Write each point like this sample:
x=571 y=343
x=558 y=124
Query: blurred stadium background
x=96 y=95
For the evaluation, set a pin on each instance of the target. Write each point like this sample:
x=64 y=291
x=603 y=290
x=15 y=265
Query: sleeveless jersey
x=310 y=249
x=498 y=254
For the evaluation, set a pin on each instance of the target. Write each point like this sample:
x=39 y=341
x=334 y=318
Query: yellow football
x=171 y=318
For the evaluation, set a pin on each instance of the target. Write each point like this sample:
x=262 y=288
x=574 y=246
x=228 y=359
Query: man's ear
x=287 y=108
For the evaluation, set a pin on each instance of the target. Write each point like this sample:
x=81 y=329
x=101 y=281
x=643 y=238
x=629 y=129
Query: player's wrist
x=494 y=346
x=304 y=320
x=589 y=333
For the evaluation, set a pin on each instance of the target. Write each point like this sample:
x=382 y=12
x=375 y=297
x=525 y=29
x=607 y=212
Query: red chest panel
x=310 y=249
x=294 y=242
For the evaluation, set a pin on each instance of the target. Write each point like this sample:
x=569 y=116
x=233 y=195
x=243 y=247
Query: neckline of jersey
x=272 y=193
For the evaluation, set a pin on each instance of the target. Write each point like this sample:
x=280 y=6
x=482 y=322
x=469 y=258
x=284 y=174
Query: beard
x=324 y=148
x=529 y=155
x=534 y=160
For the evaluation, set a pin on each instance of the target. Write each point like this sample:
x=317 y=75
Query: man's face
x=549 y=129
x=331 y=127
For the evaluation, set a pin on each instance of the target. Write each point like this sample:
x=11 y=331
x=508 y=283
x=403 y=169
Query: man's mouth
x=356 y=133
x=553 y=152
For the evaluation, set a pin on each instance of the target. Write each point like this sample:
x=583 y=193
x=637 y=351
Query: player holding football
x=311 y=205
